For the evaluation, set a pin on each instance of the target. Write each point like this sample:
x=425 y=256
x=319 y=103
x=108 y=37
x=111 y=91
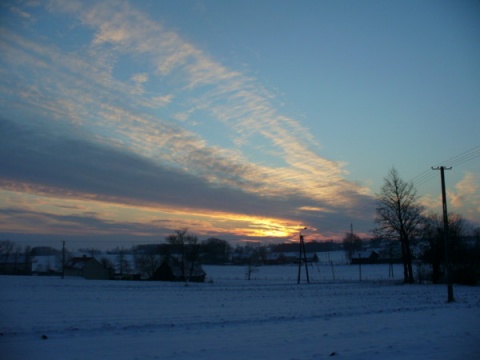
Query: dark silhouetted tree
x=123 y=265
x=398 y=216
x=463 y=249
x=186 y=249
x=351 y=243
x=215 y=251
x=147 y=259
x=108 y=264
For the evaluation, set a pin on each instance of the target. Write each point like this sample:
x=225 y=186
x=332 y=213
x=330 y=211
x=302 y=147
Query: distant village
x=167 y=262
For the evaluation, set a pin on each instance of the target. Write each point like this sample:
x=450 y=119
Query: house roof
x=364 y=254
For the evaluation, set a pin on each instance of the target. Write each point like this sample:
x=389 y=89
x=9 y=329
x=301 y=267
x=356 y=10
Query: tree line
x=400 y=219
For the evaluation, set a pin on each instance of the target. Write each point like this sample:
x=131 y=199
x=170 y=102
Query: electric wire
x=457 y=160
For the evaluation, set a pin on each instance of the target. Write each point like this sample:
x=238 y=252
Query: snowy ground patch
x=270 y=317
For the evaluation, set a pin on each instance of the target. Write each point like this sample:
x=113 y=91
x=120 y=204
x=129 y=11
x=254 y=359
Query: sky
x=121 y=121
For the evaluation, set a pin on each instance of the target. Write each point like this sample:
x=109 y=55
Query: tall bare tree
x=187 y=249
x=122 y=263
x=6 y=248
x=352 y=243
x=398 y=216
x=433 y=252
x=216 y=251
x=147 y=260
x=461 y=253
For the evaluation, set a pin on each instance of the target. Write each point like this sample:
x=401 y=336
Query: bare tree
x=433 y=252
x=215 y=251
x=187 y=249
x=399 y=216
x=6 y=248
x=109 y=265
x=352 y=243
x=123 y=265
x=147 y=261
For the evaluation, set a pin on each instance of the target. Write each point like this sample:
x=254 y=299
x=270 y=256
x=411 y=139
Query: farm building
x=365 y=257
x=280 y=258
x=87 y=267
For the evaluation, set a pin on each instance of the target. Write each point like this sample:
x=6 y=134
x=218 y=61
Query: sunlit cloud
x=469 y=185
x=463 y=198
x=142 y=141
x=313 y=209
x=466 y=196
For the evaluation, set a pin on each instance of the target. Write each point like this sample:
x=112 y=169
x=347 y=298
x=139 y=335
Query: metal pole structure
x=302 y=248
x=299 y=259
x=446 y=239
x=305 y=260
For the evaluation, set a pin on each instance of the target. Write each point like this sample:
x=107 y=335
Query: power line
x=474 y=151
x=456 y=160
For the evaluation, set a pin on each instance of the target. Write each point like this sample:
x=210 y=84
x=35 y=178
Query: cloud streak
x=66 y=167
x=74 y=129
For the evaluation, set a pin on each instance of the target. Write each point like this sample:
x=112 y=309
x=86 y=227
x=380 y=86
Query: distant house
x=281 y=258
x=15 y=264
x=276 y=258
x=390 y=255
x=87 y=267
x=365 y=257
x=171 y=269
x=311 y=257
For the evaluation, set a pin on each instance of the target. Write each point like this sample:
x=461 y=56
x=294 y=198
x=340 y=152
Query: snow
x=269 y=317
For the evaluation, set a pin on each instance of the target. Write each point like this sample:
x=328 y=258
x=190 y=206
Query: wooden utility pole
x=302 y=250
x=446 y=239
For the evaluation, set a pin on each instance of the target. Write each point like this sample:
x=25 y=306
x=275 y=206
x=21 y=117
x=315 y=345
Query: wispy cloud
x=466 y=196
x=97 y=136
x=462 y=198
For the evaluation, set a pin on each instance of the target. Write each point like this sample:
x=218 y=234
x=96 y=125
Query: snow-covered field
x=269 y=317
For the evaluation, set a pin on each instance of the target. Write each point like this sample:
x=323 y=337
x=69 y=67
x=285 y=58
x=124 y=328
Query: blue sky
x=121 y=121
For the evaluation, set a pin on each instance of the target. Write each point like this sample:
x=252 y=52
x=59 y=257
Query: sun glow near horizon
x=102 y=217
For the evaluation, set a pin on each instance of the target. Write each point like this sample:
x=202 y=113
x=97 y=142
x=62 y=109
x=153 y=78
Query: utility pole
x=446 y=239
x=63 y=259
x=302 y=250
